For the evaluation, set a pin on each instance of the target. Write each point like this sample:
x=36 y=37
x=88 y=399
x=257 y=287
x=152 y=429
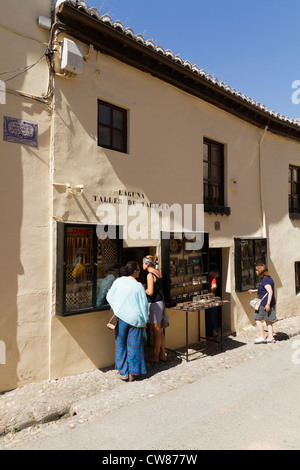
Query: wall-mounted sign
x=20 y=132
x=131 y=197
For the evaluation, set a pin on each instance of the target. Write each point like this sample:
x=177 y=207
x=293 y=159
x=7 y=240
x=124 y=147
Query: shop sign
x=139 y=222
x=20 y=132
x=132 y=198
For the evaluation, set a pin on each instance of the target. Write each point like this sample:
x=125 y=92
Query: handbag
x=112 y=321
x=165 y=320
x=255 y=303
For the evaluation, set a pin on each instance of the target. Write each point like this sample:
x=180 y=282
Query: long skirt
x=129 y=349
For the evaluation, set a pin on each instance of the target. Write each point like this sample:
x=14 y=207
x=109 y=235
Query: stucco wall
x=164 y=162
x=24 y=201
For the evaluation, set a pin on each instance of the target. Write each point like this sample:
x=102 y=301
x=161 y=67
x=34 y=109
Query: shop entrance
x=215 y=263
x=137 y=254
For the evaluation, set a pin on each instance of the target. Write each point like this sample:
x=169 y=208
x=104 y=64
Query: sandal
x=132 y=378
x=271 y=340
x=123 y=377
x=150 y=359
x=260 y=340
x=163 y=358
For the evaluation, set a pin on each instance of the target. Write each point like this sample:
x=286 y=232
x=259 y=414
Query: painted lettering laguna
x=112 y=460
x=131 y=194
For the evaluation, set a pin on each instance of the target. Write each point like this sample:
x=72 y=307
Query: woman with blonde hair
x=266 y=310
x=156 y=307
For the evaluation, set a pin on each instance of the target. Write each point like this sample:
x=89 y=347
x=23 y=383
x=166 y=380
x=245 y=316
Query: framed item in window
x=175 y=245
x=180 y=270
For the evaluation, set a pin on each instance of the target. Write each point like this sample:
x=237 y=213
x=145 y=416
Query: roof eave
x=114 y=42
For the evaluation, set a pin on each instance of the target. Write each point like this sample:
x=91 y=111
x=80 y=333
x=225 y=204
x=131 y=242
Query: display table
x=205 y=303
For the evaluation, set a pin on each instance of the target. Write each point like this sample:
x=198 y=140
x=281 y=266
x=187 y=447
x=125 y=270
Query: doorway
x=215 y=263
x=137 y=254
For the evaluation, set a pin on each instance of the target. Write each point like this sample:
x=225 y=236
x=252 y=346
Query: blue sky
x=253 y=46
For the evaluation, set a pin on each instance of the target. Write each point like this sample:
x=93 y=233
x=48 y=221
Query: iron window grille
x=294 y=192
x=213 y=178
x=297 y=277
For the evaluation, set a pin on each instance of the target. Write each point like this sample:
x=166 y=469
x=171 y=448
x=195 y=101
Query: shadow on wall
x=79 y=337
x=15 y=275
x=11 y=212
x=240 y=302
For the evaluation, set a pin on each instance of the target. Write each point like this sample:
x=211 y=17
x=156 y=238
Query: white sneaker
x=260 y=340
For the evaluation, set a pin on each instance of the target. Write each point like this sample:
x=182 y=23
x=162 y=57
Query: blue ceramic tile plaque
x=20 y=132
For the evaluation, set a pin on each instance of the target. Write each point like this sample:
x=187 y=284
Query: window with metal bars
x=294 y=191
x=297 y=277
x=112 y=127
x=213 y=177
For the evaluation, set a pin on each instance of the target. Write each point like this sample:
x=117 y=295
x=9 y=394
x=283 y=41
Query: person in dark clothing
x=211 y=313
x=266 y=312
x=156 y=307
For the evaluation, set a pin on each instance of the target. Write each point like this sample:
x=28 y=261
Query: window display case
x=86 y=268
x=248 y=252
x=184 y=267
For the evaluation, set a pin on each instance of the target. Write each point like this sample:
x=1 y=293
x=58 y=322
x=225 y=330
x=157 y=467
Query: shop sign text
x=140 y=223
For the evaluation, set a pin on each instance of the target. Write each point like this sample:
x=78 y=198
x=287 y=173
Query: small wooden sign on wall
x=20 y=132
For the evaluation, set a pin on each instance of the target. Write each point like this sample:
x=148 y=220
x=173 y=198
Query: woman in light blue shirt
x=129 y=302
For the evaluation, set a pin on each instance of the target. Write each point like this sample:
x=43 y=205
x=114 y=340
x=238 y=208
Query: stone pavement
x=86 y=396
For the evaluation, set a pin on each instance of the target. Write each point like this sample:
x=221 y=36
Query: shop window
x=213 y=178
x=112 y=127
x=297 y=276
x=294 y=192
x=248 y=252
x=86 y=268
x=185 y=271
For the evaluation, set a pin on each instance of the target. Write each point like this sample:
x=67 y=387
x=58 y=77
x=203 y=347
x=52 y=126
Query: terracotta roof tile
x=82 y=5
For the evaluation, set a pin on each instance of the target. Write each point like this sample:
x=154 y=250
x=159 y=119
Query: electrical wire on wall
x=22 y=70
x=46 y=98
